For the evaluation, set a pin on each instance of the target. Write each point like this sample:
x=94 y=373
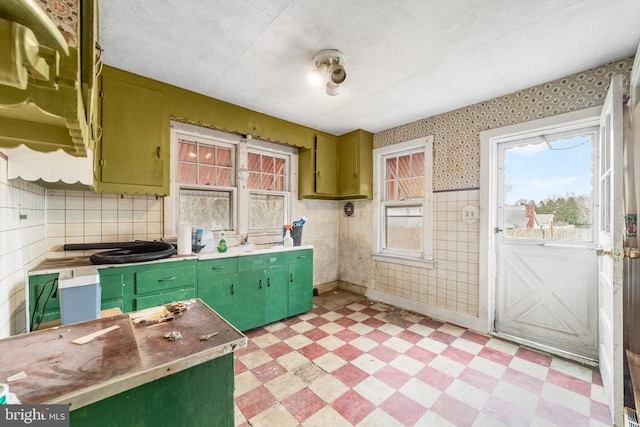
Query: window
x=205 y=179
x=225 y=182
x=268 y=197
x=204 y=163
x=402 y=203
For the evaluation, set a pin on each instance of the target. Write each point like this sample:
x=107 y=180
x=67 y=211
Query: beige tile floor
x=352 y=361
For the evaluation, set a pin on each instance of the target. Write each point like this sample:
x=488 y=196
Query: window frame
x=424 y=258
x=240 y=192
x=289 y=154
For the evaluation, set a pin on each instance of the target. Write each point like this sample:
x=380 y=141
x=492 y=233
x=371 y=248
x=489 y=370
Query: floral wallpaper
x=456 y=157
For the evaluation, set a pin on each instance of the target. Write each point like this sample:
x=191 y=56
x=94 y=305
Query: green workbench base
x=198 y=396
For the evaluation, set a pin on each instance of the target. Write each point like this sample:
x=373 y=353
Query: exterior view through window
x=404 y=196
x=548 y=191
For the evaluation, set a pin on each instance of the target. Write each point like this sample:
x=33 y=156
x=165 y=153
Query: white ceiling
x=406 y=60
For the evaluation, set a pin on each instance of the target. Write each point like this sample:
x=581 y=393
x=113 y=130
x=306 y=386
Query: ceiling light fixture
x=331 y=62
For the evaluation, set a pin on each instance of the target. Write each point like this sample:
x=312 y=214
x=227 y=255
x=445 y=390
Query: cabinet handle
x=291 y=277
x=158 y=151
x=167 y=279
x=301 y=256
x=233 y=288
x=260 y=283
x=220 y=267
x=268 y=282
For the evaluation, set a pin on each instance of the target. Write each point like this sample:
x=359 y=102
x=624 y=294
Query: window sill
x=395 y=259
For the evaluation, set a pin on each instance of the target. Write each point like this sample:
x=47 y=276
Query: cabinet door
x=113 y=289
x=133 y=151
x=44 y=304
x=276 y=295
x=326 y=165
x=251 y=298
x=300 y=288
x=219 y=293
x=348 y=166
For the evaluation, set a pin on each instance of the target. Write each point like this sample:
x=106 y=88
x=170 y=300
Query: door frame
x=488 y=204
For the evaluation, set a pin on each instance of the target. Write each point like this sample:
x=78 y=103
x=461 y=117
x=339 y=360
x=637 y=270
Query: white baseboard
x=437 y=313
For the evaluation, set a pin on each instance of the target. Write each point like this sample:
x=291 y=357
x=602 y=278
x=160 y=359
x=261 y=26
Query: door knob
x=603 y=252
x=632 y=253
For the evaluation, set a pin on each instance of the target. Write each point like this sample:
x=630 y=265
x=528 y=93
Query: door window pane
x=548 y=187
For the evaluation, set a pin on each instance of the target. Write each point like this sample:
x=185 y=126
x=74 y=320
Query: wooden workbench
x=132 y=365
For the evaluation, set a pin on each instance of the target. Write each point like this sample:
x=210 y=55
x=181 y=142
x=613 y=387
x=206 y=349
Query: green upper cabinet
x=46 y=102
x=133 y=154
x=355 y=165
x=337 y=168
x=325 y=166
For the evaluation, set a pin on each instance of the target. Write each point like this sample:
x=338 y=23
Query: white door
x=610 y=238
x=546 y=273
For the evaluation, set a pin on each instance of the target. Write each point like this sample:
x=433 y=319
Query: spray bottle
x=288 y=240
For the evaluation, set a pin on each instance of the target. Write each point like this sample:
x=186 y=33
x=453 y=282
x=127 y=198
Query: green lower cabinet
x=164 y=283
x=247 y=291
x=199 y=396
x=300 y=288
x=276 y=295
x=44 y=303
x=217 y=283
x=117 y=288
x=251 y=298
x=219 y=293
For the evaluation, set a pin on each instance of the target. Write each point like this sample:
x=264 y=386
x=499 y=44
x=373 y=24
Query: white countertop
x=259 y=249
x=78 y=266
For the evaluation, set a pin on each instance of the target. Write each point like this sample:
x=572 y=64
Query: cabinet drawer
x=216 y=267
x=164 y=298
x=255 y=262
x=165 y=278
x=302 y=256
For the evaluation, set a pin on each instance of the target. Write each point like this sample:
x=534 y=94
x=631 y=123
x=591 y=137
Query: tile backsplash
x=22 y=246
x=453 y=283
x=88 y=217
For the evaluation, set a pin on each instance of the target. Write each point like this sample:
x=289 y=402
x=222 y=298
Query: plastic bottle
x=300 y=222
x=222 y=244
x=288 y=240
